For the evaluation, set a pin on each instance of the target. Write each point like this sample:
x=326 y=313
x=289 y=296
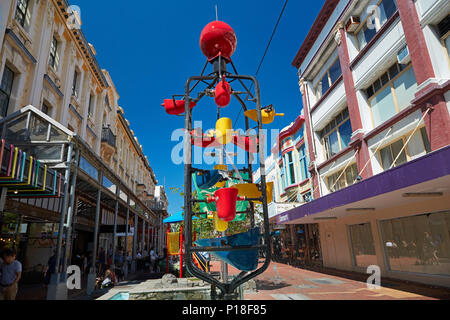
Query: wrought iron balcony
x=155 y=205
x=108 y=137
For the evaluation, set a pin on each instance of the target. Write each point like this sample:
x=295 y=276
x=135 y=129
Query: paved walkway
x=283 y=282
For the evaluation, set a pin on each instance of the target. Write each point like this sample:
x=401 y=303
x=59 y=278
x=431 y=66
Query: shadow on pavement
x=270 y=285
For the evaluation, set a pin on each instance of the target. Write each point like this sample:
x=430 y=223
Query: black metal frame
x=227 y=289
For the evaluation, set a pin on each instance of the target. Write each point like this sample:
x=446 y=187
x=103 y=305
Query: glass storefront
x=363 y=247
x=297 y=245
x=419 y=244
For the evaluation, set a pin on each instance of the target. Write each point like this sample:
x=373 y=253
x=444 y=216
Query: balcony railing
x=108 y=137
x=155 y=204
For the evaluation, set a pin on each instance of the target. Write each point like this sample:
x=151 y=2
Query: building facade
x=47 y=64
x=374 y=77
x=287 y=167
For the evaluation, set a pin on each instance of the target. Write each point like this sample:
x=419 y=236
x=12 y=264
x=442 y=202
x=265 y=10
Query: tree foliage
x=205 y=227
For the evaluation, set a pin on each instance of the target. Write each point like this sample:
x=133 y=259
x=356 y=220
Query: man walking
x=11 y=271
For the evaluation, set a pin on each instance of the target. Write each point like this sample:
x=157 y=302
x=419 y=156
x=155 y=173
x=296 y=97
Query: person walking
x=101 y=261
x=11 y=272
x=51 y=268
x=153 y=259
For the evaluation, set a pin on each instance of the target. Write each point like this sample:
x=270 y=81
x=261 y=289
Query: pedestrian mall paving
x=283 y=282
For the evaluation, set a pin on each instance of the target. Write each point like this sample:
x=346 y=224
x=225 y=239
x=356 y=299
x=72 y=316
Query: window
x=290 y=165
x=337 y=134
x=307 y=197
x=282 y=177
x=90 y=107
x=389 y=153
x=345 y=180
x=303 y=163
x=392 y=92
x=419 y=244
x=107 y=101
x=329 y=78
x=45 y=108
x=426 y=141
x=375 y=21
x=54 y=56
x=75 y=84
x=5 y=90
x=444 y=33
x=363 y=247
x=23 y=12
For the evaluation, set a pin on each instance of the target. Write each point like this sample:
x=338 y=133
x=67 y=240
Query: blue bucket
x=245 y=260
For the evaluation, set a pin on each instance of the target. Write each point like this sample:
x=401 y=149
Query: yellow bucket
x=250 y=190
x=221 y=167
x=173 y=245
x=267 y=117
x=220 y=225
x=224 y=130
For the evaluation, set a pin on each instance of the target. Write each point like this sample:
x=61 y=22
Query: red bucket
x=223 y=94
x=226 y=200
x=176 y=107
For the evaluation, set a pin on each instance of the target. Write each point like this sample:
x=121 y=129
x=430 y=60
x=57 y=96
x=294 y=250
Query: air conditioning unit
x=352 y=24
x=403 y=56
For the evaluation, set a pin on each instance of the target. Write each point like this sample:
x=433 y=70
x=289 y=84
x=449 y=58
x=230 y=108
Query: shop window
x=54 y=55
x=87 y=167
x=373 y=23
x=337 y=134
x=363 y=247
x=419 y=244
x=328 y=79
x=390 y=153
x=23 y=15
x=391 y=93
x=5 y=90
x=341 y=180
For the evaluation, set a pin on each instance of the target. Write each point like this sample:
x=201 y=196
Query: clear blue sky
x=151 y=47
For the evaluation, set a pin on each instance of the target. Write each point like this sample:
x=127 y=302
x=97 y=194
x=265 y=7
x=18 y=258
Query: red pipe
x=167 y=253
x=181 y=252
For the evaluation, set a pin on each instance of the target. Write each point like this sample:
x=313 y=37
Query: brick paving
x=283 y=282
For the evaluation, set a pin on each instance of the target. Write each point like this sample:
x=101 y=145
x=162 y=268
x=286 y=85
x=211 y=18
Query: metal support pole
x=135 y=234
x=147 y=233
x=116 y=213
x=63 y=212
x=167 y=256
x=53 y=292
x=70 y=212
x=143 y=236
x=125 y=251
x=93 y=272
x=96 y=228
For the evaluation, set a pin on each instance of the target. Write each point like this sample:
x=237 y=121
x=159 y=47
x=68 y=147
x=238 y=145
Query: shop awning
x=407 y=183
x=176 y=218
